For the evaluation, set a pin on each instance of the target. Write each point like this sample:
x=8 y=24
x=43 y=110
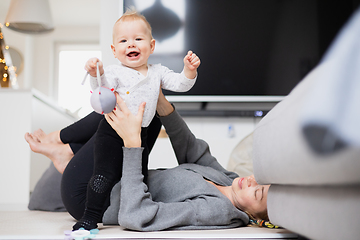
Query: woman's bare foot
x=59 y=154
x=41 y=136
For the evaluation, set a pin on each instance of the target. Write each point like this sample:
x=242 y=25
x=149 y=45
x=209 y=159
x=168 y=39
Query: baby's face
x=132 y=44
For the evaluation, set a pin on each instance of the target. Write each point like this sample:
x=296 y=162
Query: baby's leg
x=153 y=132
x=148 y=138
x=108 y=158
x=108 y=168
x=59 y=154
x=145 y=154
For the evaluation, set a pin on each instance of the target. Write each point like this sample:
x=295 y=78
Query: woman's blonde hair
x=260 y=216
x=132 y=15
x=262 y=220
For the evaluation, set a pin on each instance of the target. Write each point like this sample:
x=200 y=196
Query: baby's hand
x=191 y=61
x=90 y=66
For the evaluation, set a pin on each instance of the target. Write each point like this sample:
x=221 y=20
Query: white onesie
x=135 y=88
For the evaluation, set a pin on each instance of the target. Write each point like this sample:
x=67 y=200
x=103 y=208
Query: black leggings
x=81 y=138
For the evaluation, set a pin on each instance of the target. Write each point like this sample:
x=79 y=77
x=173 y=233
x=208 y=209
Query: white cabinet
x=15 y=120
x=23 y=111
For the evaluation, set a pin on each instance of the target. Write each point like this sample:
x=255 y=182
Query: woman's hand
x=127 y=125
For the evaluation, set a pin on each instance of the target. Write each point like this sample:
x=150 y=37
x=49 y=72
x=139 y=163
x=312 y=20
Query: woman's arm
x=138 y=211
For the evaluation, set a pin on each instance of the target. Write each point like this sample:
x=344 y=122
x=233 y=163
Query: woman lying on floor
x=197 y=194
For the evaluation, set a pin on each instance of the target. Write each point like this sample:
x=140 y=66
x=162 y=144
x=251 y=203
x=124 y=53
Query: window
x=71 y=94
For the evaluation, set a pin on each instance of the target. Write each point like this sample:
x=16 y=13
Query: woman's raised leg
x=81 y=131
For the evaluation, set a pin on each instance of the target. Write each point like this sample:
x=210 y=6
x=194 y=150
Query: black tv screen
x=247 y=47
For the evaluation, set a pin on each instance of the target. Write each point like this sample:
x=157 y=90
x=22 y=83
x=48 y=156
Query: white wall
x=38 y=51
x=110 y=11
x=44 y=47
x=214 y=131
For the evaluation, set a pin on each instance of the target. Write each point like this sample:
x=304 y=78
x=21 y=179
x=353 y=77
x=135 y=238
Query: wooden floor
x=50 y=225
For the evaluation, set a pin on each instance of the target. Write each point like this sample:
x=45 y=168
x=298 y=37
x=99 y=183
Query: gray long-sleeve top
x=176 y=198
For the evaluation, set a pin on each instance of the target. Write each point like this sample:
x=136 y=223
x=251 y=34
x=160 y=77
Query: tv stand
x=224 y=106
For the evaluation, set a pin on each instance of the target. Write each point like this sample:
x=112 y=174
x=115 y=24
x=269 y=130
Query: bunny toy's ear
x=102 y=100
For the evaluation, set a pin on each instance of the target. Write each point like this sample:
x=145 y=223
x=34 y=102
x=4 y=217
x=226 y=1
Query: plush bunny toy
x=102 y=99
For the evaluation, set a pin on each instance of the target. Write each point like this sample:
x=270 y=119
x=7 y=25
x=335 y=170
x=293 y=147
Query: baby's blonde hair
x=133 y=15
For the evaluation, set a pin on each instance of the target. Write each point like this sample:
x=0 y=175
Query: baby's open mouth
x=133 y=54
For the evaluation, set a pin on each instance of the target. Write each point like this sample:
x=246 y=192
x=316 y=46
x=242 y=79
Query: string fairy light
x=7 y=69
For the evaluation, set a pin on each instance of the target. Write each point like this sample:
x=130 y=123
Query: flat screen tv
x=258 y=48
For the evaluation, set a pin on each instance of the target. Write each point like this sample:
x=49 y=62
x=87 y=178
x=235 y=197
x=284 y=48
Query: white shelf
x=207 y=98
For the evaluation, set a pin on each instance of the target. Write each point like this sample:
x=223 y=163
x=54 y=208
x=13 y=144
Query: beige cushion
x=240 y=160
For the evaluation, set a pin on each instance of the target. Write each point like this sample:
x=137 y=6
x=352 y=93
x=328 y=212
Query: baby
x=136 y=81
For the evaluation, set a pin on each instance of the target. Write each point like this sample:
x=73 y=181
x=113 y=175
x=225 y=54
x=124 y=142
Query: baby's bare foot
x=59 y=154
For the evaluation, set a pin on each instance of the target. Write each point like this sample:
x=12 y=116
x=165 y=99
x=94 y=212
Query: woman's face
x=249 y=196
